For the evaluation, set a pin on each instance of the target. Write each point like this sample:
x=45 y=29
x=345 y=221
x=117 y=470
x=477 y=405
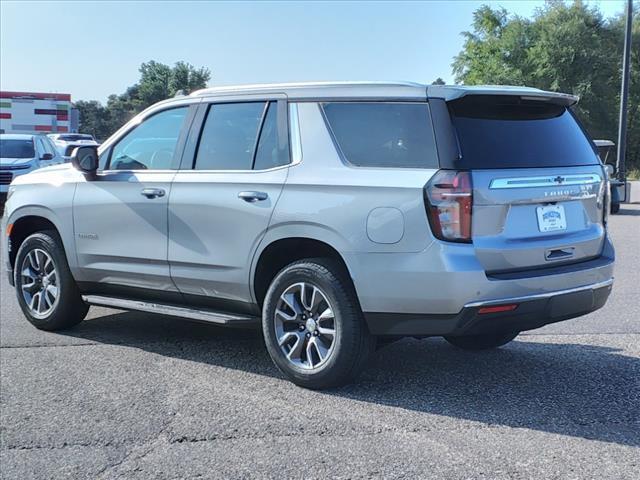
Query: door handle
x=252 y=197
x=152 y=192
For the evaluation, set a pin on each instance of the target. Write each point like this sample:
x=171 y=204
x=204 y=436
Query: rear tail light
x=448 y=199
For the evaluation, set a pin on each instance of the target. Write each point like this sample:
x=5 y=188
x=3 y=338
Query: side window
x=267 y=154
x=48 y=146
x=40 y=147
x=228 y=137
x=383 y=134
x=151 y=145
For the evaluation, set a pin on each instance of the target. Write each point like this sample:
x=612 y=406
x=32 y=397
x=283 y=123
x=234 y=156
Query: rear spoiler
x=453 y=92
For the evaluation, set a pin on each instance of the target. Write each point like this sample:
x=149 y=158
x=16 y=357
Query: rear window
x=510 y=132
x=15 y=148
x=393 y=135
x=74 y=138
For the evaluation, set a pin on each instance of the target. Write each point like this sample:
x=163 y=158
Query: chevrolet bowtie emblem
x=558 y=179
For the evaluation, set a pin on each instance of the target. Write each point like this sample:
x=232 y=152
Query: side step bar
x=193 y=314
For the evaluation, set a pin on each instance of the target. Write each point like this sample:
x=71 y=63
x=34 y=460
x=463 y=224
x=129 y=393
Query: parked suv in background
x=331 y=213
x=66 y=143
x=21 y=154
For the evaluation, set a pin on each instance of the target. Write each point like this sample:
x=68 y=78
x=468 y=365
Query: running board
x=193 y=314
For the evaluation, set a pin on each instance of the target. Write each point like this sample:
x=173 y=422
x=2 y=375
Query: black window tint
x=229 y=135
x=268 y=155
x=509 y=132
x=397 y=135
x=151 y=145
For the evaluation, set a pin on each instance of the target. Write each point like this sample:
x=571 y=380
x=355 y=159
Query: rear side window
x=510 y=132
x=241 y=136
x=377 y=134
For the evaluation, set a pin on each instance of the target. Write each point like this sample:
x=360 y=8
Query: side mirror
x=46 y=156
x=85 y=159
x=611 y=170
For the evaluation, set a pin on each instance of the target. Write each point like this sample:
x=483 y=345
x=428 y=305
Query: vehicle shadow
x=584 y=391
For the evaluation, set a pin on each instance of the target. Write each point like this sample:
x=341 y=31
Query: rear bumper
x=532 y=311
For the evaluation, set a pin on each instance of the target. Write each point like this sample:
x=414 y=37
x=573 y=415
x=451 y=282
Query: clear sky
x=93 y=49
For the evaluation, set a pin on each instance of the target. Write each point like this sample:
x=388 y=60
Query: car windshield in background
x=397 y=135
x=74 y=138
x=16 y=148
x=509 y=132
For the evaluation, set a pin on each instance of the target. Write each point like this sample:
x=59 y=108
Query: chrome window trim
x=295 y=141
x=546 y=181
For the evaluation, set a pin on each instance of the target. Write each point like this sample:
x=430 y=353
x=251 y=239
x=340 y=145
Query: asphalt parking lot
x=132 y=395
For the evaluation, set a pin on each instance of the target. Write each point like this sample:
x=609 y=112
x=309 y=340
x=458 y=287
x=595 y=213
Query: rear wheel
x=46 y=291
x=482 y=342
x=313 y=327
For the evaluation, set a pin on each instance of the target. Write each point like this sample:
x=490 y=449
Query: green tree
x=157 y=82
x=566 y=47
x=438 y=81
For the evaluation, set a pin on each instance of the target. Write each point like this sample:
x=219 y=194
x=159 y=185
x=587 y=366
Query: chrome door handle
x=152 y=192
x=252 y=197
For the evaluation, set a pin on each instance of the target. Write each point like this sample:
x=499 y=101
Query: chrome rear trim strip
x=201 y=315
x=548 y=181
x=538 y=296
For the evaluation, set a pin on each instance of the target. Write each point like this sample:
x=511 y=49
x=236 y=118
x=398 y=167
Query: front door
x=222 y=199
x=120 y=218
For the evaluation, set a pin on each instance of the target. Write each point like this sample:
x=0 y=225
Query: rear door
x=538 y=187
x=231 y=177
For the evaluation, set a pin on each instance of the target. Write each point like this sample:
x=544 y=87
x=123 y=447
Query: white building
x=31 y=112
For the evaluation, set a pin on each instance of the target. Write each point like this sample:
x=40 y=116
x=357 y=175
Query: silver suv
x=336 y=214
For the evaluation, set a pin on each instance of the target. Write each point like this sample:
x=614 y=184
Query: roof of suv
x=377 y=90
x=17 y=136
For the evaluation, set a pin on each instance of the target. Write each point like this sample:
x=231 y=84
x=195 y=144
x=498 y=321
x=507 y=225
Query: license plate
x=551 y=218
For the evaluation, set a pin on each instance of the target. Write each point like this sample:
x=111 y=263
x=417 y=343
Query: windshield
x=16 y=148
x=73 y=138
x=510 y=132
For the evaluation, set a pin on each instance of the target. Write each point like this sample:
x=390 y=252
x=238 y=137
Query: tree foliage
x=157 y=82
x=567 y=47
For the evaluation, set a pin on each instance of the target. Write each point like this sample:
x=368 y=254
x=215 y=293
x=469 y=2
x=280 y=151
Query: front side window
x=383 y=134
x=152 y=144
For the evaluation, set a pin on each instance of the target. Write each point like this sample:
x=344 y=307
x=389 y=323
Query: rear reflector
x=498 y=308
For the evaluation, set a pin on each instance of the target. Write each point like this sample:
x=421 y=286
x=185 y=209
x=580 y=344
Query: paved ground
x=133 y=395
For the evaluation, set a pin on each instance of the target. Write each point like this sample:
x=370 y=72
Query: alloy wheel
x=305 y=325
x=39 y=282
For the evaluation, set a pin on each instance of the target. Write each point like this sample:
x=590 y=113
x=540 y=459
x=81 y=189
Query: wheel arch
x=279 y=252
x=29 y=220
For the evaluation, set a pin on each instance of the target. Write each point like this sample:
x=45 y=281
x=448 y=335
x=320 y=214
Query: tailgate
x=528 y=219
x=538 y=185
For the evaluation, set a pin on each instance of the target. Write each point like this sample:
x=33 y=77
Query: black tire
x=482 y=342
x=615 y=208
x=352 y=344
x=69 y=309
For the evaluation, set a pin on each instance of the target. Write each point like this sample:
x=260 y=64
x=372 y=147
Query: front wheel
x=482 y=342
x=46 y=291
x=313 y=328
